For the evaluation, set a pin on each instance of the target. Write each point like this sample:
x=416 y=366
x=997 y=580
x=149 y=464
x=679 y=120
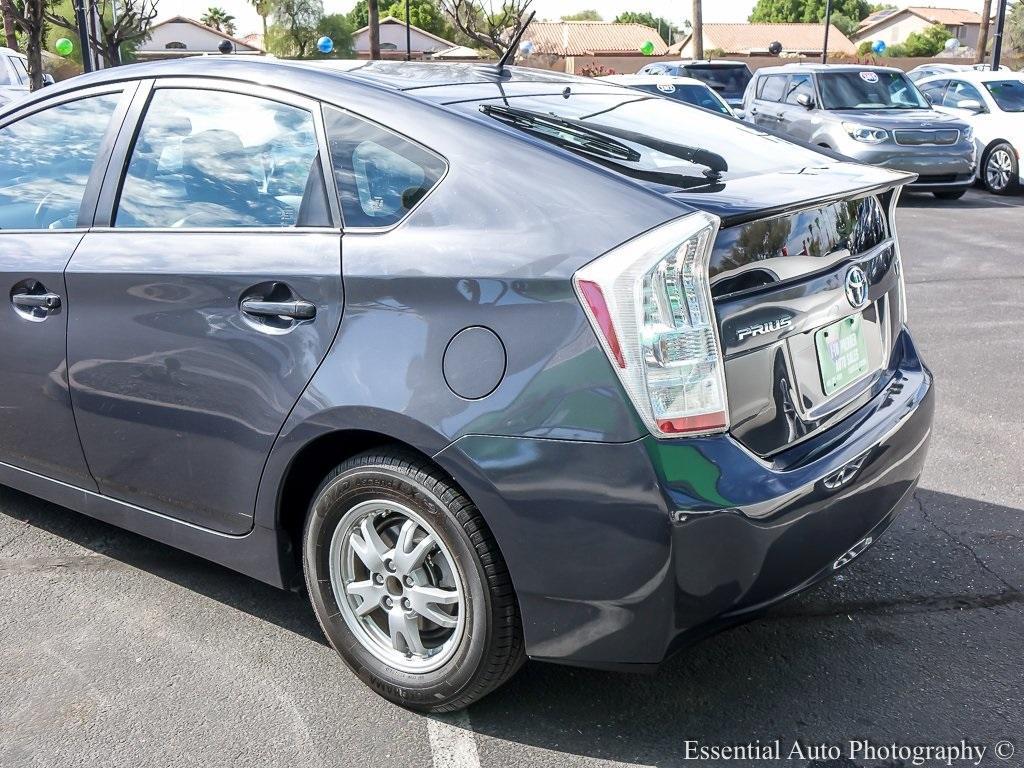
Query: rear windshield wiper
x=562 y=131
x=541 y=124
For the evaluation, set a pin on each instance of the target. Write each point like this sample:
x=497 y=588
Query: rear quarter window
x=380 y=175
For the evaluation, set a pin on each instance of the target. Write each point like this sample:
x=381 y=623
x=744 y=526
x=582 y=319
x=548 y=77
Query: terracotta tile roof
x=952 y=17
x=755 y=38
x=592 y=38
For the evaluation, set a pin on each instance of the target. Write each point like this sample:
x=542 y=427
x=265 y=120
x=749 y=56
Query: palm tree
x=219 y=19
x=263 y=8
x=374 y=13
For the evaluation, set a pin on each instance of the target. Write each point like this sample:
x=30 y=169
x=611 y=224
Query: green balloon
x=647 y=48
x=64 y=46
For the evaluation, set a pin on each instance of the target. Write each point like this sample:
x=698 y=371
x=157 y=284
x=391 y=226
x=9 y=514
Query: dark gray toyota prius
x=498 y=363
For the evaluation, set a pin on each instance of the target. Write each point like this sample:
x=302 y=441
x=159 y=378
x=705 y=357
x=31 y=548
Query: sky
x=674 y=10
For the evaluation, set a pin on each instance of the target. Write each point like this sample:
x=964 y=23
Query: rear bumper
x=622 y=553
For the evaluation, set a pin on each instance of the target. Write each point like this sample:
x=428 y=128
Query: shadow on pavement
x=873 y=653
x=287 y=610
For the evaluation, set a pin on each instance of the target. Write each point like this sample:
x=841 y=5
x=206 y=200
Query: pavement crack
x=960 y=542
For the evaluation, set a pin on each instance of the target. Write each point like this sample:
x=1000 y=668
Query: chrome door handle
x=295 y=309
x=45 y=301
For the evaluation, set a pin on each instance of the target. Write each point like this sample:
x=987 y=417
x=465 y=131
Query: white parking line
x=451 y=743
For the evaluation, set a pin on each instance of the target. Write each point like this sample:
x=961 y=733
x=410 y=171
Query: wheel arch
x=299 y=464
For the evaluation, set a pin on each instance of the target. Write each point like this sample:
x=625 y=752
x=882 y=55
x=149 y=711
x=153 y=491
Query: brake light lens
x=649 y=302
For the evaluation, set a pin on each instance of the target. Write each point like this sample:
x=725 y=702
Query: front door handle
x=48 y=302
x=297 y=309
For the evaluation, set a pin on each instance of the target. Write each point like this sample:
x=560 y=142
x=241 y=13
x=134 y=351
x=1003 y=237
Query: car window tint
x=933 y=91
x=217 y=159
x=799 y=84
x=380 y=175
x=961 y=91
x=20 y=69
x=1009 y=94
x=45 y=162
x=774 y=88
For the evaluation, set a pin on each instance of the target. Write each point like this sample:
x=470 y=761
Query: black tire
x=490 y=650
x=950 y=195
x=1006 y=153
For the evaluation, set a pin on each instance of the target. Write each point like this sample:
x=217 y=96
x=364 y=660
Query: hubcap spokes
x=397 y=586
x=999 y=170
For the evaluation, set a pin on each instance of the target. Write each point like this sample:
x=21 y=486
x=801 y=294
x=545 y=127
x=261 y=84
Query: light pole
x=997 y=43
x=828 y=24
x=408 y=33
x=83 y=34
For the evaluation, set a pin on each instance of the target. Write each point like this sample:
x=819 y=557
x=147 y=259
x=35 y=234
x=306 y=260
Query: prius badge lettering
x=762 y=328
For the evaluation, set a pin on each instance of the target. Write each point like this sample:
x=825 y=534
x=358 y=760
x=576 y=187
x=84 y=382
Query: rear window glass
x=380 y=175
x=729 y=81
x=746 y=150
x=688 y=94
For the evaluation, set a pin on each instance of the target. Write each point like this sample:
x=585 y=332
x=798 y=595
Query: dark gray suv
x=494 y=363
x=872 y=114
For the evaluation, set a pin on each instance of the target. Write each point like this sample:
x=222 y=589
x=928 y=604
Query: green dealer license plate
x=842 y=353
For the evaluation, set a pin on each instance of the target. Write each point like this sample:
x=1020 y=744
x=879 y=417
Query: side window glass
x=380 y=175
x=933 y=91
x=960 y=91
x=774 y=88
x=217 y=159
x=799 y=84
x=20 y=69
x=45 y=162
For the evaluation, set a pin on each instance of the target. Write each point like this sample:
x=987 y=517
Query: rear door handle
x=44 y=301
x=296 y=309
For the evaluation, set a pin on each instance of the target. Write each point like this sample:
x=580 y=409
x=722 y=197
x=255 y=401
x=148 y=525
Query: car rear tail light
x=649 y=301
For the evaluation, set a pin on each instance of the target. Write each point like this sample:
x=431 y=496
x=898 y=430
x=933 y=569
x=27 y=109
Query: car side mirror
x=48 y=80
x=971 y=105
x=805 y=101
x=740 y=113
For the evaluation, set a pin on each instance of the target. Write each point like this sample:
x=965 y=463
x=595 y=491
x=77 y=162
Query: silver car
x=872 y=114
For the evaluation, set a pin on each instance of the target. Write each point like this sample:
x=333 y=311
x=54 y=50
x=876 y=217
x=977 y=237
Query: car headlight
x=968 y=134
x=866 y=133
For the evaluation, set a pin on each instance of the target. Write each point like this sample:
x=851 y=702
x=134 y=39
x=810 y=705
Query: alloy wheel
x=397 y=586
x=999 y=169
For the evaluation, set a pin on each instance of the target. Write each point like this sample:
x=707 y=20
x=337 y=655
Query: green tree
x=587 y=15
x=359 y=16
x=927 y=43
x=337 y=27
x=115 y=41
x=425 y=14
x=219 y=19
x=664 y=26
x=294 y=31
x=1015 y=28
x=807 y=11
x=263 y=8
x=844 y=23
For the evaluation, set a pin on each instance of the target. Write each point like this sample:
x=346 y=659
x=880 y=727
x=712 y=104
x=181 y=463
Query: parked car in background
x=872 y=114
x=727 y=78
x=684 y=89
x=505 y=424
x=992 y=103
x=927 y=70
x=14 y=82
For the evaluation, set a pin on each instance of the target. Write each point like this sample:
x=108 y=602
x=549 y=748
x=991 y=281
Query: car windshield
x=698 y=95
x=1008 y=94
x=730 y=81
x=660 y=131
x=868 y=89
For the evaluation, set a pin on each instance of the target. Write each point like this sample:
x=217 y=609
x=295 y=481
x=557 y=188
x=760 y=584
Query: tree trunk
x=34 y=42
x=9 y=25
x=263 y=16
x=698 y=31
x=371 y=6
x=986 y=14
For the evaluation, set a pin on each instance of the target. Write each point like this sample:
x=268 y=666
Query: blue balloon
x=325 y=44
x=878 y=46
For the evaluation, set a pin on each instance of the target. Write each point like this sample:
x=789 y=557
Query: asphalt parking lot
x=116 y=651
